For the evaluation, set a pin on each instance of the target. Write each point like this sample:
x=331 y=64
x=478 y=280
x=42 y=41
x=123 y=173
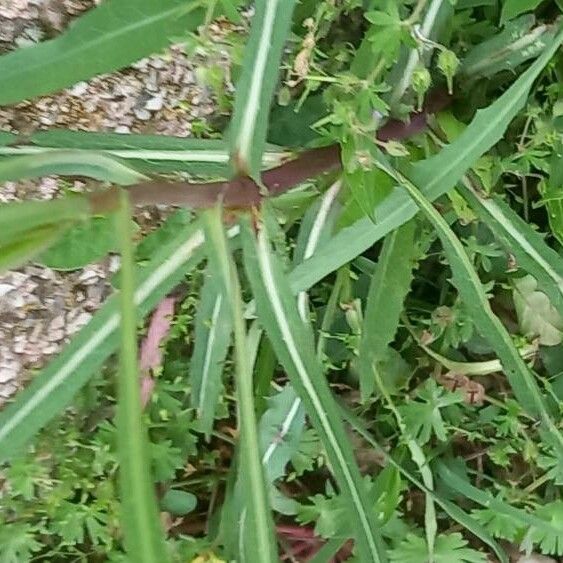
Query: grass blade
x=528 y=247
x=451 y=509
x=262 y=547
x=144 y=537
x=54 y=387
x=487 y=323
x=292 y=341
x=387 y=291
x=155 y=153
x=212 y=339
x=103 y=40
x=270 y=28
x=69 y=163
x=436 y=175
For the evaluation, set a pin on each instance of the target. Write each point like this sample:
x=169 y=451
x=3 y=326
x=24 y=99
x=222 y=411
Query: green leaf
x=450 y=508
x=436 y=175
x=17 y=219
x=518 y=42
x=450 y=548
x=526 y=245
x=105 y=39
x=17 y=543
x=212 y=339
x=82 y=244
x=153 y=153
x=536 y=316
x=513 y=8
x=423 y=417
x=292 y=341
x=453 y=481
x=388 y=289
x=143 y=533
x=476 y=301
x=270 y=27
x=280 y=431
x=552 y=192
x=260 y=546
x=29 y=245
x=178 y=503
x=549 y=542
x=69 y=163
x=54 y=387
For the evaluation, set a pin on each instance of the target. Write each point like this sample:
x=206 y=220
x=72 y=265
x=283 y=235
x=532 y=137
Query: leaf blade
x=270 y=27
x=103 y=40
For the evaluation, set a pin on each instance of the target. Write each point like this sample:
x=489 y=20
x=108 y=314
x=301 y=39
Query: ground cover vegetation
x=345 y=342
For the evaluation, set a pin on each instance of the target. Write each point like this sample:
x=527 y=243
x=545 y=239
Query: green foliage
x=431 y=386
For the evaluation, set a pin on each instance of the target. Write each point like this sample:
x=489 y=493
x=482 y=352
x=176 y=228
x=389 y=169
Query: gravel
x=40 y=308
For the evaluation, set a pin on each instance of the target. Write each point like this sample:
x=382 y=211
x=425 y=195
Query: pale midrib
x=151 y=283
x=209 y=351
x=271 y=287
x=252 y=107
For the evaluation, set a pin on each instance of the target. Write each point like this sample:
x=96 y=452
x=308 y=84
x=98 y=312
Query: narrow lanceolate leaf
x=292 y=341
x=54 y=387
x=69 y=163
x=529 y=249
x=388 y=288
x=212 y=339
x=261 y=546
x=144 y=538
x=450 y=508
x=270 y=28
x=103 y=40
x=435 y=175
x=154 y=153
x=475 y=299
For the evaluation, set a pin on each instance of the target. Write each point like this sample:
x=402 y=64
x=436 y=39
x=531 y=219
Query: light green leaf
x=178 y=503
x=436 y=176
x=17 y=219
x=103 y=40
x=292 y=341
x=518 y=42
x=450 y=508
x=513 y=8
x=281 y=428
x=529 y=249
x=212 y=339
x=261 y=546
x=476 y=301
x=536 y=316
x=82 y=244
x=388 y=289
x=143 y=533
x=154 y=153
x=54 y=387
x=69 y=163
x=270 y=27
